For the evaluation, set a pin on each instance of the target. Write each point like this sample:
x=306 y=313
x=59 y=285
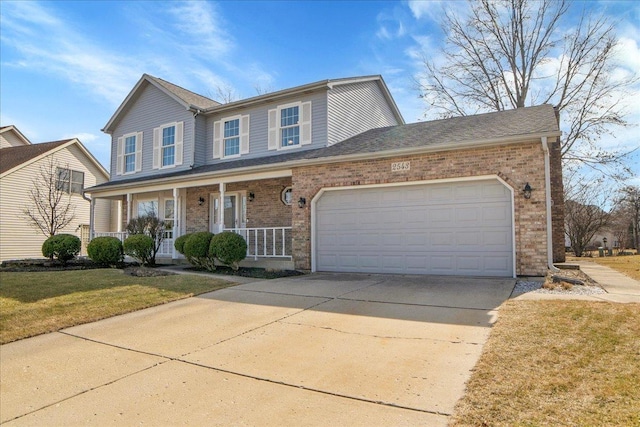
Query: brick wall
x=266 y=210
x=516 y=164
x=557 y=199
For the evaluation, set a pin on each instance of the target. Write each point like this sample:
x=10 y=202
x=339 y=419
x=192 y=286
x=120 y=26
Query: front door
x=234 y=212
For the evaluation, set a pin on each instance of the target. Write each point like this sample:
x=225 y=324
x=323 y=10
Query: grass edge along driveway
x=40 y=302
x=569 y=363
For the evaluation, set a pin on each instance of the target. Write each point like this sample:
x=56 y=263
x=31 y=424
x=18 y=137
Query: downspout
x=547 y=191
x=196 y=112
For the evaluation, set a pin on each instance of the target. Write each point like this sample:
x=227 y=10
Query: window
x=129 y=151
x=130 y=154
x=286 y=196
x=169 y=217
x=289 y=126
x=167 y=145
x=69 y=180
x=231 y=138
x=148 y=207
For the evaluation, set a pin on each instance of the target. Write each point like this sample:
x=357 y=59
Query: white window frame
x=218 y=136
x=275 y=126
x=121 y=155
x=178 y=144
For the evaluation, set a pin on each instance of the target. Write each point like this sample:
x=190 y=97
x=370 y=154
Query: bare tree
x=629 y=206
x=584 y=216
x=507 y=54
x=226 y=94
x=50 y=209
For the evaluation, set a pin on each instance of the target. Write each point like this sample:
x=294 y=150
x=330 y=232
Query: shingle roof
x=190 y=98
x=13 y=156
x=445 y=133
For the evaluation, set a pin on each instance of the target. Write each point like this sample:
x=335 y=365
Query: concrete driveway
x=322 y=349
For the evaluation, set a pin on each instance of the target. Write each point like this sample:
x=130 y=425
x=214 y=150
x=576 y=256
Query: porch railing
x=266 y=242
x=262 y=242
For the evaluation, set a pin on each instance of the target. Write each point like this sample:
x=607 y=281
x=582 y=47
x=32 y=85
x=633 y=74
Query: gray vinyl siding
x=151 y=109
x=201 y=142
x=355 y=108
x=259 y=127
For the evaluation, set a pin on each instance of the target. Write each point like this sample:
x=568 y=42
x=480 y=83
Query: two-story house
x=328 y=177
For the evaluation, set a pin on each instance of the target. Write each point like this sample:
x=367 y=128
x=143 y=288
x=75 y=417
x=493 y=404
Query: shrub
x=196 y=249
x=152 y=226
x=180 y=241
x=140 y=247
x=105 y=250
x=63 y=247
x=229 y=248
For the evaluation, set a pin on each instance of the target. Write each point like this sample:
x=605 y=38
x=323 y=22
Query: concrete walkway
x=619 y=287
x=314 y=350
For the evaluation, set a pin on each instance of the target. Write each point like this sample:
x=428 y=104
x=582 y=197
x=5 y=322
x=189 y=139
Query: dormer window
x=290 y=126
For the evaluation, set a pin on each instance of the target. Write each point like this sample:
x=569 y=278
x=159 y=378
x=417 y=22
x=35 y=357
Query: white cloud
x=47 y=44
x=431 y=9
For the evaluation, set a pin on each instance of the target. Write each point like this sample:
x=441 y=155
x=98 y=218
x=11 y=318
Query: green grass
x=565 y=363
x=36 y=303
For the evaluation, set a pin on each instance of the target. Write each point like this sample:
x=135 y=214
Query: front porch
x=258 y=210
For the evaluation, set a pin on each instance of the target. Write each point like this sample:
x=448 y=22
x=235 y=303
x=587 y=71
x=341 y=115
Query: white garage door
x=460 y=228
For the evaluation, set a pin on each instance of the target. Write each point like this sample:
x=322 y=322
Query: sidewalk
x=619 y=288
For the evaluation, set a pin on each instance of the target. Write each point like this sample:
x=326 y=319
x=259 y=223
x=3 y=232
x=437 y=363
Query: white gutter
x=329 y=160
x=547 y=191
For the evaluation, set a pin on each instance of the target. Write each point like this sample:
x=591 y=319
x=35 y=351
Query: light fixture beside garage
x=301 y=202
x=527 y=191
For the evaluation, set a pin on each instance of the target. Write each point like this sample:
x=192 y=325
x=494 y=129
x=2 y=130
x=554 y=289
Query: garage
x=449 y=228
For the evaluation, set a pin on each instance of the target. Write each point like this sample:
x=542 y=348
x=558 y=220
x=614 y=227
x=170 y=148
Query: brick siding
x=516 y=164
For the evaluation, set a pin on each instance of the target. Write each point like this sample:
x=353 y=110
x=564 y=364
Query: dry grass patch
x=36 y=303
x=551 y=363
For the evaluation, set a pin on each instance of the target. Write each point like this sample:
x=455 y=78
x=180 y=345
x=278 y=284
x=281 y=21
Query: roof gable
x=17 y=157
x=184 y=97
x=17 y=134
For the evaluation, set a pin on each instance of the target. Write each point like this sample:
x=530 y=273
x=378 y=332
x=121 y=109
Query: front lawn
x=569 y=363
x=36 y=303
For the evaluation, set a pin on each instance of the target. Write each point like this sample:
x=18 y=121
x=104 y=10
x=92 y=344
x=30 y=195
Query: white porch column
x=176 y=216
x=223 y=187
x=119 y=216
x=92 y=211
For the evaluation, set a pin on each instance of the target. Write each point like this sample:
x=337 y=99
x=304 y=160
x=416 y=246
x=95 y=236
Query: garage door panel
x=422 y=229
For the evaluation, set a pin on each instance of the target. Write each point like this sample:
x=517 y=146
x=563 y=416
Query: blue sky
x=67 y=65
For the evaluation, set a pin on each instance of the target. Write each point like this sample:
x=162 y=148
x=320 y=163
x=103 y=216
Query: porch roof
x=504 y=127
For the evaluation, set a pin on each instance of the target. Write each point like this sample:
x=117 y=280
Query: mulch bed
x=255 y=272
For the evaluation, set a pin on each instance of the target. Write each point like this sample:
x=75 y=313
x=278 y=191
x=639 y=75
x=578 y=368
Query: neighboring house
x=20 y=163
x=328 y=177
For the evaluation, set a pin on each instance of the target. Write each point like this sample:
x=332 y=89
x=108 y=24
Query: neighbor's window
x=231 y=137
x=70 y=181
x=168 y=146
x=130 y=154
x=289 y=127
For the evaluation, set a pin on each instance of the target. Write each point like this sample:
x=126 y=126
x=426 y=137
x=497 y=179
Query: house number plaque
x=400 y=166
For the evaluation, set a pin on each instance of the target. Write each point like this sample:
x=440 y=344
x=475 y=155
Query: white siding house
x=19 y=166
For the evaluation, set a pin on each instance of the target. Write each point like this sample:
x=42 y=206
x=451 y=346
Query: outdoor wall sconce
x=527 y=191
x=301 y=202
x=251 y=196
x=201 y=201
